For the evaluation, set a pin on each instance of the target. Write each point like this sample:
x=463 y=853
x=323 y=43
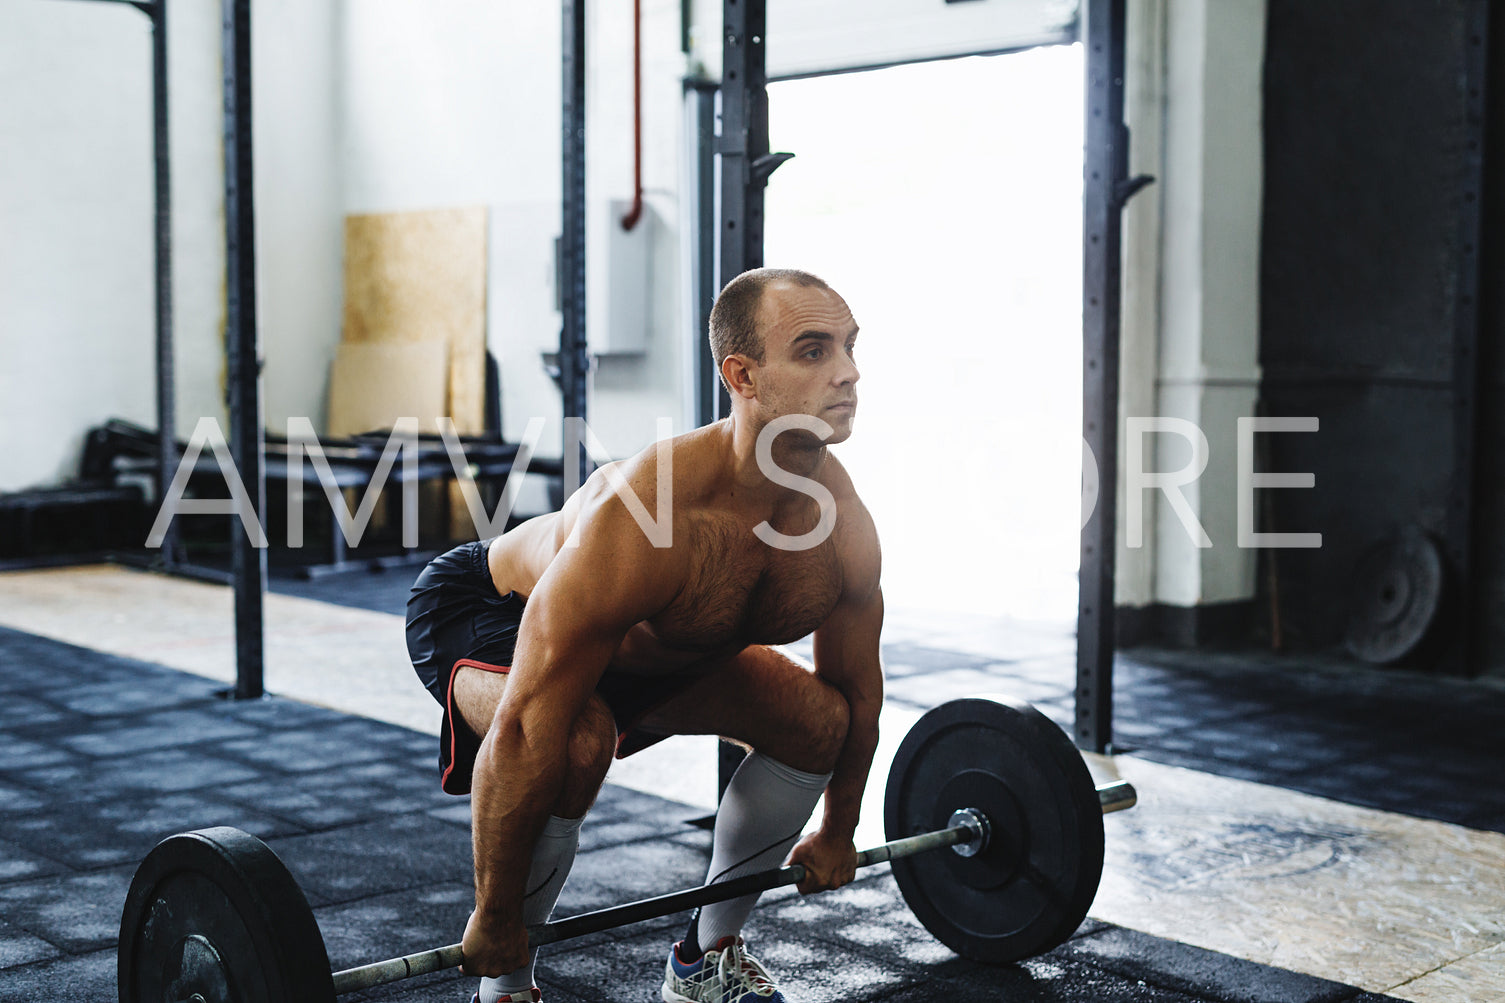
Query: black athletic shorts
x=456 y=617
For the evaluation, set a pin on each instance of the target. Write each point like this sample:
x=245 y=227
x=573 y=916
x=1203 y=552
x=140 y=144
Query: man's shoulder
x=834 y=476
x=677 y=461
x=849 y=505
x=855 y=533
x=629 y=492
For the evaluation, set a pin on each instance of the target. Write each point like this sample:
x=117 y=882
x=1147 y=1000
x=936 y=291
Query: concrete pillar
x=1191 y=308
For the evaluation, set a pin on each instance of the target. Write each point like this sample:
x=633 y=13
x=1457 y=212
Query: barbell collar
x=982 y=829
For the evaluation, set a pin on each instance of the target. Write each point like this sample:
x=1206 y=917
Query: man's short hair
x=734 y=317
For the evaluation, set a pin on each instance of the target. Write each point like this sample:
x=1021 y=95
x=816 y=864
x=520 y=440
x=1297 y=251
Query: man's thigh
x=476 y=694
x=763 y=698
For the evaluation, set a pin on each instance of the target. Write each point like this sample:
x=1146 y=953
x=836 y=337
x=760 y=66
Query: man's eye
x=813 y=353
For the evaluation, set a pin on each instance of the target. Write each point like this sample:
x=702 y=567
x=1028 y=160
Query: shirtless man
x=550 y=655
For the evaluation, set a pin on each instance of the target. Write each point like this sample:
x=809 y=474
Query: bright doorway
x=944 y=201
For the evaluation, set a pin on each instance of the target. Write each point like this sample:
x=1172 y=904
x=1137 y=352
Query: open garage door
x=813 y=37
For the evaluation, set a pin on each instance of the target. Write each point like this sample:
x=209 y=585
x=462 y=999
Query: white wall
x=77 y=309
x=458 y=104
x=299 y=204
x=632 y=392
x=77 y=320
x=66 y=270
x=378 y=105
x=1139 y=331
x=195 y=86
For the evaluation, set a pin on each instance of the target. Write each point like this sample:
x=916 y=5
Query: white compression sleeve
x=552 y=859
x=762 y=814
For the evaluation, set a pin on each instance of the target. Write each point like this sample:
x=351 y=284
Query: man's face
x=808 y=368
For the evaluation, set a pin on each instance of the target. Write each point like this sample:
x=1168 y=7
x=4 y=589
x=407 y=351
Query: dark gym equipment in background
x=1372 y=315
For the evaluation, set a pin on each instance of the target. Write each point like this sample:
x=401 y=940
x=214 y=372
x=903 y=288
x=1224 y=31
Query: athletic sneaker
x=526 y=996
x=726 y=974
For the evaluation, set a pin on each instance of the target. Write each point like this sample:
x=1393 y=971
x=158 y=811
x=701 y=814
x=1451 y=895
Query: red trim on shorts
x=449 y=705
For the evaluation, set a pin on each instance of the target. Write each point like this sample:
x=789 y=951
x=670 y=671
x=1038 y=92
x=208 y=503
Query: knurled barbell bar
x=213 y=916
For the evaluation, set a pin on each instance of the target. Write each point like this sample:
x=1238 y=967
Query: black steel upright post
x=745 y=167
x=574 y=351
x=167 y=452
x=243 y=347
x=746 y=163
x=1106 y=187
x=1458 y=656
x=706 y=387
x=736 y=142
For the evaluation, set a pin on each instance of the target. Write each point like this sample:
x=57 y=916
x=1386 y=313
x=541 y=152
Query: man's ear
x=737 y=371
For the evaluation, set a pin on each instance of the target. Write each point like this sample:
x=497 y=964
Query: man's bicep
x=577 y=599
x=612 y=576
x=847 y=646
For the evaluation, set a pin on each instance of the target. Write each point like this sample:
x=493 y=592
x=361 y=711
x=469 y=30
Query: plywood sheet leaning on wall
x=421 y=276
x=373 y=384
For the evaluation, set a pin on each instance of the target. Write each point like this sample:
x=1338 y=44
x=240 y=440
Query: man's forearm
x=849 y=777
x=514 y=787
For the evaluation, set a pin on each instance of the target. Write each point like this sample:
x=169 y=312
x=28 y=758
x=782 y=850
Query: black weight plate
x=1397 y=595
x=215 y=913
x=1031 y=888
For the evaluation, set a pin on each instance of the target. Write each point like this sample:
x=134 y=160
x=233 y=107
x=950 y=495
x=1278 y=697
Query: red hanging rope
x=636 y=212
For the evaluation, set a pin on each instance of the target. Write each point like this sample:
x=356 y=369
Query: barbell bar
x=969 y=828
x=213 y=915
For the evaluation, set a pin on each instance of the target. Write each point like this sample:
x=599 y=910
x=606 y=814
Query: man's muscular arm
x=847 y=657
x=583 y=605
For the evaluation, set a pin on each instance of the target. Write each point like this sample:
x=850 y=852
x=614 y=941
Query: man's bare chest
x=737 y=596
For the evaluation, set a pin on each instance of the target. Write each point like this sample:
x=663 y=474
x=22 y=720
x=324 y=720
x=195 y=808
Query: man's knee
x=593 y=741
x=829 y=732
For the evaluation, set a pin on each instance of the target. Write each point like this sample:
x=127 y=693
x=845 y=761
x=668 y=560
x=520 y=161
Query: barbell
x=214 y=916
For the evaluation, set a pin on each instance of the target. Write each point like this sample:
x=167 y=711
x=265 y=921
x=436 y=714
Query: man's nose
x=849 y=373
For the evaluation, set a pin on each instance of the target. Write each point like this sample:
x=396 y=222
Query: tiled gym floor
x=1308 y=830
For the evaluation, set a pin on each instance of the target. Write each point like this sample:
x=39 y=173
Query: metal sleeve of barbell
x=1117 y=796
x=354 y=979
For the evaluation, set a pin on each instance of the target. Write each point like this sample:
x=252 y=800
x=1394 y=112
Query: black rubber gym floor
x=103 y=756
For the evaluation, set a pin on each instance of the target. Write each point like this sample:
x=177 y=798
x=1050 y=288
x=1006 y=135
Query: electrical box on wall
x=618 y=279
